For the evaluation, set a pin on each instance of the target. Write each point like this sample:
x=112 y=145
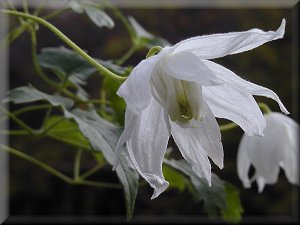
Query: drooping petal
x=191 y=150
x=219 y=45
x=147 y=146
x=196 y=143
x=130 y=120
x=243 y=162
x=186 y=66
x=237 y=106
x=136 y=89
x=210 y=138
x=289 y=148
x=231 y=78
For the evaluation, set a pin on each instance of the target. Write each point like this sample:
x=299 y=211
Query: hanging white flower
x=179 y=92
x=278 y=147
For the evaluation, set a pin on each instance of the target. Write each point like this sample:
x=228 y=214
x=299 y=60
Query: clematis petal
x=186 y=66
x=289 y=147
x=136 y=89
x=243 y=162
x=237 y=106
x=209 y=136
x=219 y=45
x=189 y=142
x=231 y=78
x=148 y=144
x=130 y=120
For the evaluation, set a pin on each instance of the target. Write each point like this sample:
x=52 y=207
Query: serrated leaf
x=117 y=103
x=234 y=209
x=103 y=136
x=66 y=61
x=214 y=197
x=115 y=68
x=67 y=131
x=28 y=94
x=99 y=17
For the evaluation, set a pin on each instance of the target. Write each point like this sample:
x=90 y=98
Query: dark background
x=34 y=192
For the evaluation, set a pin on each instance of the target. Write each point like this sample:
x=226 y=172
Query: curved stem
x=17 y=121
x=27 y=109
x=36 y=162
x=35 y=60
x=228 y=126
x=153 y=51
x=92 y=171
x=127 y=55
x=70 y=43
x=77 y=164
x=57 y=173
x=264 y=108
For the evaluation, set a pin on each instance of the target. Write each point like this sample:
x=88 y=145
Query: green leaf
x=67 y=131
x=103 y=136
x=76 y=6
x=214 y=197
x=28 y=94
x=66 y=62
x=234 y=209
x=175 y=178
x=99 y=17
x=117 y=103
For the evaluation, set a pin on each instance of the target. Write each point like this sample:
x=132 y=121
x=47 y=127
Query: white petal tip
x=159 y=190
x=221 y=166
x=281 y=29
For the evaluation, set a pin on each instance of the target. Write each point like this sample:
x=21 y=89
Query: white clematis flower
x=179 y=92
x=277 y=148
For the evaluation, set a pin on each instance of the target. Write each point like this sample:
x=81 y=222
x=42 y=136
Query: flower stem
x=70 y=43
x=127 y=55
x=153 y=51
x=264 y=107
x=92 y=171
x=55 y=172
x=36 y=162
x=77 y=164
x=18 y=121
x=228 y=126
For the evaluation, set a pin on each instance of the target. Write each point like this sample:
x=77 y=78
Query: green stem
x=17 y=120
x=264 y=108
x=35 y=60
x=153 y=51
x=70 y=43
x=47 y=129
x=99 y=184
x=27 y=109
x=57 y=173
x=17 y=31
x=123 y=19
x=128 y=54
x=36 y=162
x=77 y=164
x=55 y=137
x=228 y=126
x=92 y=171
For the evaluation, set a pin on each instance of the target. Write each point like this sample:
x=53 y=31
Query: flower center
x=183 y=102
